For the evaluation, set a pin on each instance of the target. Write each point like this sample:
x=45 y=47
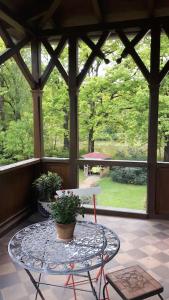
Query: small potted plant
x=45 y=187
x=64 y=211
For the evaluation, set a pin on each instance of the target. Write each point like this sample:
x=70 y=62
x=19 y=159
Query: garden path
x=90 y=181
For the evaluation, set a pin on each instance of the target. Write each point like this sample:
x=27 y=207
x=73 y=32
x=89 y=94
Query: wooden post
x=153 y=117
x=73 y=96
x=37 y=99
x=38 y=123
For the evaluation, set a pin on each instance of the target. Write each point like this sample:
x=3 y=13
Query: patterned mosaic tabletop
x=37 y=248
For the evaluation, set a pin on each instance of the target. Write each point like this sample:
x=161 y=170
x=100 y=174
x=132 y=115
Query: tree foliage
x=113 y=106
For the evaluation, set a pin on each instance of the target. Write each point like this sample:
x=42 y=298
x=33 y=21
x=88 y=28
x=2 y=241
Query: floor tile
x=163 y=257
x=8 y=280
x=143 y=242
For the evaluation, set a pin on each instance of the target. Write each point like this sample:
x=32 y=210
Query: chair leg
x=159 y=295
x=104 y=289
x=94 y=208
x=68 y=279
x=107 y=292
x=100 y=269
x=74 y=291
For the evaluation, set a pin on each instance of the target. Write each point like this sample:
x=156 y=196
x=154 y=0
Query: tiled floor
x=143 y=242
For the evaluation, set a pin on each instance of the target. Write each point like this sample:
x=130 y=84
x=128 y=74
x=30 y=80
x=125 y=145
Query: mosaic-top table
x=37 y=248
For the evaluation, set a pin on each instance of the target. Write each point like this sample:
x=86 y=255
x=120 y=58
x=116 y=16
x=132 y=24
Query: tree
x=113 y=105
x=112 y=91
x=15 y=100
x=56 y=116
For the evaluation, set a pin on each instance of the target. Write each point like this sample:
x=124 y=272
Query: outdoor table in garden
x=37 y=249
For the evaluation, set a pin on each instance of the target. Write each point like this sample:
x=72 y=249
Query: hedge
x=137 y=176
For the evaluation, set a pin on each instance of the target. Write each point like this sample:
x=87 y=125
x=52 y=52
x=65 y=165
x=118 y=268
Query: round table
x=37 y=248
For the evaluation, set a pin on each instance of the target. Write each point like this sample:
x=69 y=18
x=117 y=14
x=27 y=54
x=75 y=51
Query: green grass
x=121 y=195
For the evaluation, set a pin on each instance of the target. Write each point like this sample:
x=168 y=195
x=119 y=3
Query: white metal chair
x=85 y=194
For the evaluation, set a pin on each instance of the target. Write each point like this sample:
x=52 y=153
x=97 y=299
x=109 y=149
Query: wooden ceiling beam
x=97 y=10
x=151 y=8
x=11 y=21
x=56 y=60
x=51 y=63
x=37 y=16
x=130 y=49
x=50 y=12
x=20 y=26
x=91 y=58
x=77 y=30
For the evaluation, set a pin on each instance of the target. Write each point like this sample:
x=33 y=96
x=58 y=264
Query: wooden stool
x=133 y=283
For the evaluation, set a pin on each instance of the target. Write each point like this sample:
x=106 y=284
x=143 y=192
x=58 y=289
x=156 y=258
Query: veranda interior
x=29 y=23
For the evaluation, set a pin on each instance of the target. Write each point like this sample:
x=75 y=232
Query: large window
x=16 y=120
x=113 y=124
x=56 y=117
x=121 y=187
x=113 y=106
x=163 y=115
x=56 y=111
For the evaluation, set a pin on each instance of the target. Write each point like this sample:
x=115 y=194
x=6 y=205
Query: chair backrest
x=84 y=193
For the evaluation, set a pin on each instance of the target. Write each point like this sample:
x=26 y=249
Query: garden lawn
x=121 y=195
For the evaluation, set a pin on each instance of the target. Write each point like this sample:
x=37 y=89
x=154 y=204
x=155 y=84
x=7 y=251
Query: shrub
x=46 y=186
x=137 y=176
x=129 y=153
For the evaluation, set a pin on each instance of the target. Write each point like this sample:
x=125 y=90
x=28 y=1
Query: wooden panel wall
x=15 y=191
x=15 y=188
x=162 y=195
x=60 y=167
x=16 y=197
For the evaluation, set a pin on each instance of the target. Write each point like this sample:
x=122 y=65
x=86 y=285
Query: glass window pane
x=56 y=117
x=113 y=107
x=121 y=187
x=16 y=118
x=163 y=113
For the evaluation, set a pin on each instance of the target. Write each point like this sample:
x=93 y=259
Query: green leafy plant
x=46 y=186
x=130 y=175
x=66 y=208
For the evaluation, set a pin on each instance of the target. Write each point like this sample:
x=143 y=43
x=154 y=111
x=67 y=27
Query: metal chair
x=85 y=194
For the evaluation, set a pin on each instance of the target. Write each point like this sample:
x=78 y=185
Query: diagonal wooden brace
x=92 y=46
x=133 y=43
x=130 y=49
x=56 y=60
x=51 y=63
x=91 y=58
x=17 y=57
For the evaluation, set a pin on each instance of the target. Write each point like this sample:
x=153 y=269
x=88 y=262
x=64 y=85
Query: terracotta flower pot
x=65 y=231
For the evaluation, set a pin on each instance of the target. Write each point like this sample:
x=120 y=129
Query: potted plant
x=45 y=187
x=64 y=211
